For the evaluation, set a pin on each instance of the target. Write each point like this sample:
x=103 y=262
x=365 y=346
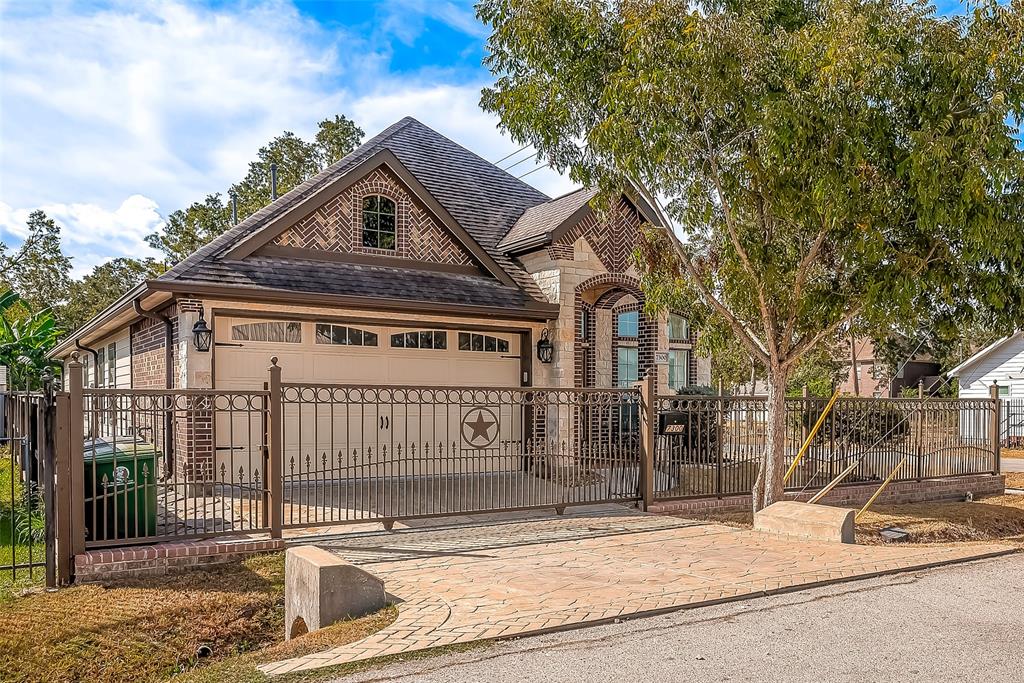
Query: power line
x=510 y=155
x=520 y=161
x=533 y=171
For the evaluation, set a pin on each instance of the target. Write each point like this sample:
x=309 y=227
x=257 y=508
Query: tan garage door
x=374 y=356
x=334 y=353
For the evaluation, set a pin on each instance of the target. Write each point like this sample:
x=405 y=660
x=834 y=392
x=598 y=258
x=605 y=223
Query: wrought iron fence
x=140 y=466
x=1011 y=423
x=23 y=491
x=161 y=465
x=356 y=453
x=711 y=446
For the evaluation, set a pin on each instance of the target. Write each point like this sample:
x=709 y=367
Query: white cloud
x=154 y=97
x=91 y=234
x=113 y=116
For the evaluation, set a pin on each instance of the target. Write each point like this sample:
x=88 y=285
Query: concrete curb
x=1000 y=552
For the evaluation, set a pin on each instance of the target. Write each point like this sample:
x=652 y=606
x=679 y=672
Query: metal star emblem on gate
x=477 y=426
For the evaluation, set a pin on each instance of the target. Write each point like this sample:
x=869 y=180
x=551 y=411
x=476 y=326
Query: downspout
x=168 y=380
x=95 y=361
x=94 y=426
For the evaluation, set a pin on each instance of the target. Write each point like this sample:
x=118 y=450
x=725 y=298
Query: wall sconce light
x=545 y=349
x=202 y=335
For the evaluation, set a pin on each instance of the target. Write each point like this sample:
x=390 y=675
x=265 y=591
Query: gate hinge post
x=275 y=465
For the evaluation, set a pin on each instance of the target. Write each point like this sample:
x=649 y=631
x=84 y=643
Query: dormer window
x=378 y=222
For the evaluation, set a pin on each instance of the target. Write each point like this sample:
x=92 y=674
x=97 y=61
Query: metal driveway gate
x=354 y=453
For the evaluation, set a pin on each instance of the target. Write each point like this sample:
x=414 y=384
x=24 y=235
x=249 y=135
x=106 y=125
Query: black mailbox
x=675 y=422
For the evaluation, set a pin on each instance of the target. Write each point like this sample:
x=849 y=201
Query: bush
x=869 y=424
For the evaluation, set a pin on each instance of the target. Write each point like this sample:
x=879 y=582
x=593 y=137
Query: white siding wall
x=1004 y=365
x=122 y=372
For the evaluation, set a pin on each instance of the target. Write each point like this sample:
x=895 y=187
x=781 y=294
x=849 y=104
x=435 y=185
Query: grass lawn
x=988 y=519
x=13 y=513
x=150 y=630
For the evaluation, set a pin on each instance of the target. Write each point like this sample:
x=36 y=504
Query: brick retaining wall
x=897 y=493
x=166 y=558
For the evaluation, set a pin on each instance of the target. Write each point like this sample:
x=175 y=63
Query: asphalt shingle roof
x=485 y=200
x=537 y=222
x=360 y=280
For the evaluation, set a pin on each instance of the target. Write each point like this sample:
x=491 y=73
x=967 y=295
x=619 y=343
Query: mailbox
x=674 y=422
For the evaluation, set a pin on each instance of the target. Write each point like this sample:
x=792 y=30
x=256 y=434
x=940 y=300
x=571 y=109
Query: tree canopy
x=821 y=163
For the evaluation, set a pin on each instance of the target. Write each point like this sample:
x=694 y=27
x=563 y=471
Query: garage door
x=373 y=356
x=331 y=353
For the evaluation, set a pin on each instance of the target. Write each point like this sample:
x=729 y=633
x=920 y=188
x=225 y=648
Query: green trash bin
x=120 y=489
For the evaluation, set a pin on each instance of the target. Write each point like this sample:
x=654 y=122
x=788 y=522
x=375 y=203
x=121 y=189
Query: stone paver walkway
x=511 y=578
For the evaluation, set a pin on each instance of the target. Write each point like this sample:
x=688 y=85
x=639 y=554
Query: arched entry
x=615 y=340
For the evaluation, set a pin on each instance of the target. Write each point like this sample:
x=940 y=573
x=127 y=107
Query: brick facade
x=613 y=237
x=193 y=441
x=337 y=225
x=149 y=360
x=166 y=558
x=897 y=493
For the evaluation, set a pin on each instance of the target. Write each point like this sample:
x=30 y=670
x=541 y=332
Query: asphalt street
x=960 y=622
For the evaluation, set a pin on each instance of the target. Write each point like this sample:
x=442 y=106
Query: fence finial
x=273 y=360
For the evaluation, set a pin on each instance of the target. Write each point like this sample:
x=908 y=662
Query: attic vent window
x=378 y=222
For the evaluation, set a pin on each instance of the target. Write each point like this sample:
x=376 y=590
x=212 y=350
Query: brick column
x=194 y=419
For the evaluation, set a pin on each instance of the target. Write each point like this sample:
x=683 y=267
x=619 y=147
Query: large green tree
x=822 y=163
x=188 y=229
x=38 y=271
x=104 y=285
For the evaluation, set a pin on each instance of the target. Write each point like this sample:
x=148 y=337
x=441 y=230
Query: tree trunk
x=853 y=363
x=768 y=487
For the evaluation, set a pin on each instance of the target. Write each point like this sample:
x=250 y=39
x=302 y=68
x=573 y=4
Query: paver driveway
x=515 y=577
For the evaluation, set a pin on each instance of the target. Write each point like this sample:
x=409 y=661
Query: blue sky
x=115 y=113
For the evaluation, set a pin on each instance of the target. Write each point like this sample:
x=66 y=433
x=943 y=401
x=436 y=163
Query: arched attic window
x=378 y=222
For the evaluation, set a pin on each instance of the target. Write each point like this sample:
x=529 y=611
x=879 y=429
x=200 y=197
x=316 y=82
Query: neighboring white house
x=1002 y=364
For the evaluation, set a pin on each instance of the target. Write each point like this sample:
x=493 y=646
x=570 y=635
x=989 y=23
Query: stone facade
x=337 y=225
x=588 y=272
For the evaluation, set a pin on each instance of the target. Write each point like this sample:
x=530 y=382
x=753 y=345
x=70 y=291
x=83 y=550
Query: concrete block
x=321 y=588
x=817 y=522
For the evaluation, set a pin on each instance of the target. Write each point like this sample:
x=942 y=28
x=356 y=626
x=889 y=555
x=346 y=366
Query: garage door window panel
x=342 y=335
x=471 y=341
x=420 y=339
x=270 y=331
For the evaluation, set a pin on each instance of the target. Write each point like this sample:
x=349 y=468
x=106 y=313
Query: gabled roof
x=984 y=353
x=537 y=223
x=481 y=198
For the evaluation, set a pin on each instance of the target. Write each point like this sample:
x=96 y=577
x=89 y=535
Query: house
x=412 y=261
x=868 y=375
x=1000 y=364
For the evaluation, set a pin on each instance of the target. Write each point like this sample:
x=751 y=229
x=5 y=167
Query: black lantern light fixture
x=545 y=349
x=202 y=335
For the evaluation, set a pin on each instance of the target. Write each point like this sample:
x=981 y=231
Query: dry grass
x=996 y=518
x=150 y=630
x=1014 y=480
x=1011 y=453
